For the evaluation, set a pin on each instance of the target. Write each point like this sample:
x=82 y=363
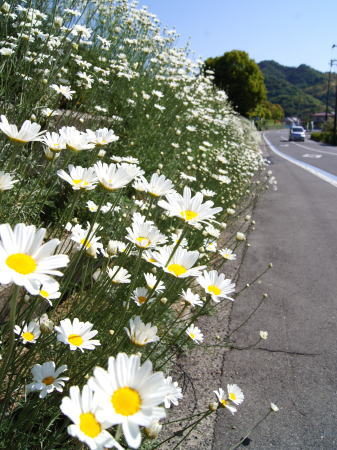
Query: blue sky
x=289 y=32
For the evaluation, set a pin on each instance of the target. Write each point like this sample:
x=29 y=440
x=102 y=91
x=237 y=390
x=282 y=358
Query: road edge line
x=320 y=173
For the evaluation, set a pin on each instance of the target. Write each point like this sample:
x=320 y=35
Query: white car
x=297 y=134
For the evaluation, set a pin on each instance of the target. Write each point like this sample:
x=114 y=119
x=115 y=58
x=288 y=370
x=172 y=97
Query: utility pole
x=332 y=61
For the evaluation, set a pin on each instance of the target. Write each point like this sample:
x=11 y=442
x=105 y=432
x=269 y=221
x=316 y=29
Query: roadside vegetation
x=120 y=167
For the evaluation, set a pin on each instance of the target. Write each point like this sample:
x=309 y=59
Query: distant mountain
x=301 y=91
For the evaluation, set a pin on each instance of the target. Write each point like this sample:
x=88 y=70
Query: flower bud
x=213 y=406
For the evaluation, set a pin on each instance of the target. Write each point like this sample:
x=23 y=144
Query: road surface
x=296 y=230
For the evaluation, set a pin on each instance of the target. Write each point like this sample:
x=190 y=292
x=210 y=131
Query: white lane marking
x=284 y=145
x=322 y=174
x=316 y=150
x=308 y=155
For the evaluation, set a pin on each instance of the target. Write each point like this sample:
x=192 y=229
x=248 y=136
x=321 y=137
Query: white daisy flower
x=130 y=394
x=29 y=131
x=190 y=209
x=145 y=235
x=111 y=176
x=50 y=290
x=208 y=193
x=63 y=90
x=75 y=139
x=77 y=334
x=24 y=261
x=235 y=394
x=191 y=298
x=92 y=206
x=180 y=264
x=6 y=181
x=82 y=408
x=240 y=236
x=212 y=231
x=29 y=333
x=210 y=246
x=115 y=247
x=158 y=185
x=100 y=137
x=174 y=393
x=227 y=253
x=79 y=177
x=216 y=284
x=118 y=275
x=140 y=333
x=87 y=238
x=195 y=333
x=224 y=401
x=132 y=169
x=151 y=281
x=54 y=141
x=47 y=112
x=46 y=378
x=49 y=155
x=140 y=296
x=153 y=430
x=106 y=208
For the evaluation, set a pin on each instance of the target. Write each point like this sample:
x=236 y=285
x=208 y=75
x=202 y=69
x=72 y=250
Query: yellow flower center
x=48 y=380
x=154 y=194
x=143 y=241
x=214 y=289
x=176 y=269
x=44 y=293
x=27 y=336
x=188 y=215
x=21 y=263
x=192 y=335
x=89 y=425
x=78 y=181
x=141 y=299
x=232 y=396
x=75 y=339
x=20 y=141
x=126 y=401
x=223 y=402
x=85 y=243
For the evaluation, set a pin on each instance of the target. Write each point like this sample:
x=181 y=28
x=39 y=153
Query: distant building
x=319 y=118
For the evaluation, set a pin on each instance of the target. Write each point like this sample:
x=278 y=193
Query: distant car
x=297 y=134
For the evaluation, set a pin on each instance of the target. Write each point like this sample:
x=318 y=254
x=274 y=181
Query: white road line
x=316 y=150
x=322 y=174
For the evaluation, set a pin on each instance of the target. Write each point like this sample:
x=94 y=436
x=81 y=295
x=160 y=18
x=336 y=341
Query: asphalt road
x=296 y=230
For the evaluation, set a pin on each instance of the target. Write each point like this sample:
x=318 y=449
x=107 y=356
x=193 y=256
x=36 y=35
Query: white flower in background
x=29 y=333
x=176 y=237
x=87 y=238
x=115 y=247
x=130 y=394
x=208 y=193
x=50 y=290
x=264 y=335
x=210 y=246
x=118 y=275
x=79 y=177
x=240 y=236
x=6 y=181
x=106 y=208
x=132 y=170
x=158 y=185
x=6 y=51
x=195 y=334
x=145 y=235
x=227 y=253
x=174 y=393
x=54 y=141
x=92 y=206
x=46 y=324
x=235 y=394
x=50 y=155
x=216 y=284
x=212 y=231
x=190 y=209
x=82 y=409
x=151 y=281
x=46 y=378
x=180 y=264
x=76 y=334
x=140 y=296
x=29 y=131
x=75 y=139
x=230 y=211
x=141 y=333
x=63 y=90
x=191 y=298
x=274 y=407
x=111 y=176
x=81 y=30
x=47 y=112
x=24 y=260
x=102 y=136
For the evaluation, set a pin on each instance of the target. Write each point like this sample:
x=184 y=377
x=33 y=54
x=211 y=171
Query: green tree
x=240 y=77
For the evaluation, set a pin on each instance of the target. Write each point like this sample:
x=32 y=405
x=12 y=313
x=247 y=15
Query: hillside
x=301 y=91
